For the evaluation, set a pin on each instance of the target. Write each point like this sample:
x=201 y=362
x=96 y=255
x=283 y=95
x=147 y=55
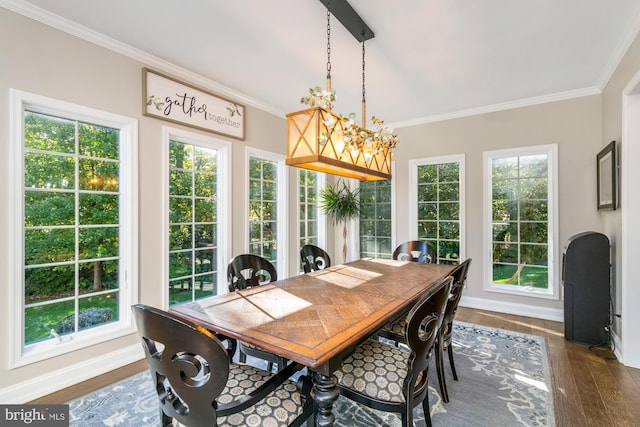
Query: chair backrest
x=459 y=279
x=423 y=322
x=416 y=251
x=314 y=258
x=248 y=270
x=189 y=366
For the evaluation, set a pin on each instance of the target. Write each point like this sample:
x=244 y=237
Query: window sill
x=525 y=291
x=68 y=343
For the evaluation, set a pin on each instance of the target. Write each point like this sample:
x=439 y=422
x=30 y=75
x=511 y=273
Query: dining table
x=317 y=319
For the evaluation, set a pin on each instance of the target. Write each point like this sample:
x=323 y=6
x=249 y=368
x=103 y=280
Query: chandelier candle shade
x=320 y=140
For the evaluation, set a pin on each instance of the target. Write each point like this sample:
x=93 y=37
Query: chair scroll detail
x=314 y=258
x=191 y=371
x=249 y=270
x=416 y=251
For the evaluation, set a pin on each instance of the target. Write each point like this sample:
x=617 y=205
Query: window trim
x=551 y=150
x=413 y=195
x=283 y=197
x=356 y=222
x=19 y=101
x=322 y=218
x=223 y=155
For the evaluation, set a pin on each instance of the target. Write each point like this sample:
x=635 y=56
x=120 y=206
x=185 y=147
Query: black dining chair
x=416 y=251
x=314 y=258
x=394 y=331
x=248 y=271
x=198 y=385
x=446 y=330
x=392 y=379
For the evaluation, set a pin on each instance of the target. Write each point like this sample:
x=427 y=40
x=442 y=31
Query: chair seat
x=397 y=327
x=281 y=407
x=247 y=349
x=376 y=370
x=244 y=344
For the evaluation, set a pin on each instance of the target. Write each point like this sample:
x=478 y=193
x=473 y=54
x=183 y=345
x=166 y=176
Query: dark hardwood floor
x=591 y=388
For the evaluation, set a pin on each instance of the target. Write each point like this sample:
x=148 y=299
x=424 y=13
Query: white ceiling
x=430 y=59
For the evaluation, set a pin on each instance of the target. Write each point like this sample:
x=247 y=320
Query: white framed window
x=376 y=219
x=197 y=220
x=74 y=272
x=267 y=227
x=521 y=221
x=312 y=223
x=438 y=205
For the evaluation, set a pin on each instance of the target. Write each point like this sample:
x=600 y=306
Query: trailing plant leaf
x=340 y=202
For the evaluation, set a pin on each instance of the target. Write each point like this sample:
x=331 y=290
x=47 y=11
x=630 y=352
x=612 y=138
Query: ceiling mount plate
x=350 y=19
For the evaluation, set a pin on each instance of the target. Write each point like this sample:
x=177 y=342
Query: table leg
x=324 y=393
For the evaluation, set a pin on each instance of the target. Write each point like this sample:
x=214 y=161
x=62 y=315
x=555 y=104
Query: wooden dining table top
x=311 y=318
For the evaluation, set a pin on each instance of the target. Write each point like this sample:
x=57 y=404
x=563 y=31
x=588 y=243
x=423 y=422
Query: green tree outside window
x=375 y=219
x=439 y=209
x=520 y=220
x=71 y=226
x=263 y=209
x=193 y=220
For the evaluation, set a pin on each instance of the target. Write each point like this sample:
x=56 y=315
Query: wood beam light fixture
x=318 y=139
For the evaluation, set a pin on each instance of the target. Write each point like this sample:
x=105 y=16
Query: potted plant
x=341 y=204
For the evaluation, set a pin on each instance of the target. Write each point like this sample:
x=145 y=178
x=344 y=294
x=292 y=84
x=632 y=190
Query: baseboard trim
x=617 y=346
x=513 y=308
x=50 y=382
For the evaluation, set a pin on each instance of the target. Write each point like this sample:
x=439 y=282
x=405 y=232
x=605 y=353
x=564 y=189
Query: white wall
x=620 y=225
x=572 y=124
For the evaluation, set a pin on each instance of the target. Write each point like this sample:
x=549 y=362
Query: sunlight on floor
x=534 y=328
x=477 y=350
x=522 y=377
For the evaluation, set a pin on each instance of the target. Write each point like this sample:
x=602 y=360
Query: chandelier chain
x=363 y=64
x=329 y=39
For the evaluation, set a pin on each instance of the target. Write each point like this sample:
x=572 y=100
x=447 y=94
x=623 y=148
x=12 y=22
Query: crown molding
x=99 y=39
x=618 y=54
x=536 y=100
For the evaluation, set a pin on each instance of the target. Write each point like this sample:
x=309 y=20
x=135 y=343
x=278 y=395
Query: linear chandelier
x=318 y=139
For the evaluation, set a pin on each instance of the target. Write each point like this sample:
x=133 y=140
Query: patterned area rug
x=504 y=380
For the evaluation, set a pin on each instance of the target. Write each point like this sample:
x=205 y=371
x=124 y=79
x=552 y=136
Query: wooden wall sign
x=172 y=100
